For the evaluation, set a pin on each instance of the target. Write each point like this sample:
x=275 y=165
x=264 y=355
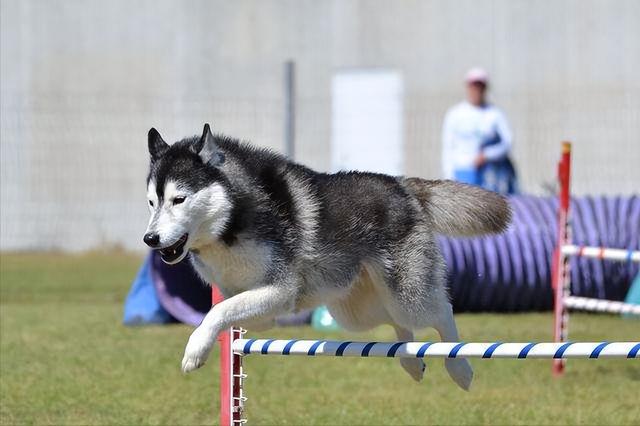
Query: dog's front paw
x=197 y=350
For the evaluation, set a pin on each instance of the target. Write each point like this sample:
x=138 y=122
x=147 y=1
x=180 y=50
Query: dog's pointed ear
x=157 y=145
x=208 y=149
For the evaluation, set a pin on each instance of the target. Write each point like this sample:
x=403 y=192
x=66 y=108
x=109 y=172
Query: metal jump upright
x=560 y=276
x=561 y=280
x=231 y=374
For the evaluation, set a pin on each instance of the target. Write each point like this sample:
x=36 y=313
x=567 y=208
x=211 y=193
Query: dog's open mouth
x=174 y=251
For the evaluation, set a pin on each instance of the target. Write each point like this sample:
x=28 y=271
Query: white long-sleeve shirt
x=466 y=128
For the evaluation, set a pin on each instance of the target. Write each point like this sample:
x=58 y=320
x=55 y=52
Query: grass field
x=66 y=359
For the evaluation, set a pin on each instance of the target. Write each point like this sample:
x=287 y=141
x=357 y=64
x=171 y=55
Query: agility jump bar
x=600 y=305
x=601 y=253
x=437 y=349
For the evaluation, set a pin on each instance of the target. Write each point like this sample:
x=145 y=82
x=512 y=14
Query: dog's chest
x=233 y=268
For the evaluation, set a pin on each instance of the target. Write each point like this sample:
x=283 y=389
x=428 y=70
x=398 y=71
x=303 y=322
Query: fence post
x=290 y=108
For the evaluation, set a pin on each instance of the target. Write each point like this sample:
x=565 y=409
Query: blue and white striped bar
x=601 y=305
x=601 y=253
x=437 y=349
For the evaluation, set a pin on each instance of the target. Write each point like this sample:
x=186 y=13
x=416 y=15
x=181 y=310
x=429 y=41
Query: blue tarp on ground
x=142 y=305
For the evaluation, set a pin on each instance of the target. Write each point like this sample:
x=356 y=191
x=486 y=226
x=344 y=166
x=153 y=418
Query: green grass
x=66 y=359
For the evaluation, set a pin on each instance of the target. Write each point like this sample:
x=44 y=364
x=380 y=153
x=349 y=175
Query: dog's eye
x=178 y=200
x=151 y=203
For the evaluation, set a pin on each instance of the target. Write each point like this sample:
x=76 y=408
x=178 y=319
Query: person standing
x=476 y=140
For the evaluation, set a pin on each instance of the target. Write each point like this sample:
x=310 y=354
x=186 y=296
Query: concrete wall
x=82 y=82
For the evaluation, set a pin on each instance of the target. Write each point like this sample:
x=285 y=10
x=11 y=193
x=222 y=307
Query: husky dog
x=277 y=237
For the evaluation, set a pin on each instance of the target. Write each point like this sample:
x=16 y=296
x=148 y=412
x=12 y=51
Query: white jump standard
x=601 y=253
x=563 y=300
x=600 y=305
x=588 y=350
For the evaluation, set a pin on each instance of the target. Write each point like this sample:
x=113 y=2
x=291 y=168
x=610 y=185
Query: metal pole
x=621 y=255
x=601 y=305
x=226 y=375
x=560 y=277
x=290 y=108
x=231 y=374
x=483 y=350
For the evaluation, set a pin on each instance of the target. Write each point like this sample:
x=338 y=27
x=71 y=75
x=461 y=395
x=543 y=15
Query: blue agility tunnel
x=512 y=271
x=502 y=273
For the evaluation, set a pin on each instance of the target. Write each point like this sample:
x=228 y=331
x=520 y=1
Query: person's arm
x=447 y=147
x=499 y=150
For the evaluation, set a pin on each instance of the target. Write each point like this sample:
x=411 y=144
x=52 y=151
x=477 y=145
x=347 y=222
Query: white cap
x=476 y=75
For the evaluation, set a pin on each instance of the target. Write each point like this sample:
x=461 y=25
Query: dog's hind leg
x=416 y=297
x=440 y=317
x=414 y=366
x=425 y=307
x=458 y=368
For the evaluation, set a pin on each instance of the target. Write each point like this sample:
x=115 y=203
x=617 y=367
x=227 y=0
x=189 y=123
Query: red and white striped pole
x=231 y=374
x=560 y=276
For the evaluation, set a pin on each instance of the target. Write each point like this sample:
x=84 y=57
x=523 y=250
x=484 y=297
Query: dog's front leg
x=267 y=301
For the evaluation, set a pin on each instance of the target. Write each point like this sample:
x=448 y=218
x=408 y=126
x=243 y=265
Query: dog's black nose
x=151 y=239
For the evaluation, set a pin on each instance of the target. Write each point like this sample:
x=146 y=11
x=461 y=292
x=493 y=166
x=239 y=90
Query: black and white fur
x=277 y=237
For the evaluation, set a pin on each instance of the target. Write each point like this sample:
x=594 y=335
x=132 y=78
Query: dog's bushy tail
x=460 y=210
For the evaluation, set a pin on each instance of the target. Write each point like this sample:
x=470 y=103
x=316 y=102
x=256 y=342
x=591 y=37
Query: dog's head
x=187 y=194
